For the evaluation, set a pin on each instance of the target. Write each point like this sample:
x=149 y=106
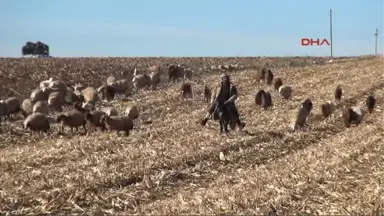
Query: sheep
x=207 y=93
x=370 y=103
x=260 y=75
x=89 y=95
x=186 y=89
x=110 y=111
x=58 y=85
x=285 y=91
x=9 y=106
x=72 y=96
x=106 y=92
x=338 y=93
x=268 y=77
x=132 y=111
x=26 y=107
x=327 y=109
x=266 y=100
x=111 y=80
x=41 y=107
x=37 y=122
x=39 y=95
x=123 y=86
x=94 y=117
x=45 y=83
x=72 y=118
x=140 y=81
x=259 y=96
x=188 y=74
x=301 y=115
x=78 y=87
x=56 y=100
x=117 y=123
x=277 y=82
x=353 y=115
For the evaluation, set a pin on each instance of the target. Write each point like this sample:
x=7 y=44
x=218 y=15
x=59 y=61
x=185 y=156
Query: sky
x=127 y=28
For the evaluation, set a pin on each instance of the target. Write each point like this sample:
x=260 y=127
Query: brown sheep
x=285 y=91
x=268 y=77
x=207 y=93
x=132 y=111
x=277 y=82
x=39 y=95
x=41 y=107
x=186 y=89
x=106 y=92
x=301 y=115
x=122 y=87
x=353 y=115
x=370 y=103
x=37 y=122
x=89 y=95
x=141 y=81
x=56 y=100
x=94 y=117
x=175 y=72
x=259 y=96
x=338 y=93
x=117 y=123
x=155 y=79
x=26 y=107
x=266 y=100
x=72 y=118
x=260 y=75
x=9 y=107
x=327 y=109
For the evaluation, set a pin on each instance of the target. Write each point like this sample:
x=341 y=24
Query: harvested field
x=172 y=166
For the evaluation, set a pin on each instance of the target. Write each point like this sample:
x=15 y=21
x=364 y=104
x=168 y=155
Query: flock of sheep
x=351 y=115
x=52 y=95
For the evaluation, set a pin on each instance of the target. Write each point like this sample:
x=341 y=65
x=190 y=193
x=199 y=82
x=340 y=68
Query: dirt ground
x=172 y=166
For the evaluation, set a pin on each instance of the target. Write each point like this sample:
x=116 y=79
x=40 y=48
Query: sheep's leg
x=221 y=126
x=127 y=133
x=85 y=128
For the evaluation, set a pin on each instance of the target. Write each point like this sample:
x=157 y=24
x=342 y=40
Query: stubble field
x=172 y=166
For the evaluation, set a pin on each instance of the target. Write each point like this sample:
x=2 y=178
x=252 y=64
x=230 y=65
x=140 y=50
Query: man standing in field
x=226 y=94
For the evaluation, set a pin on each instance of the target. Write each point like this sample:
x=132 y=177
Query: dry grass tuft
x=174 y=166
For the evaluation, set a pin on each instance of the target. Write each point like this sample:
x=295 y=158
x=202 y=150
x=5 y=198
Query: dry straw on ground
x=172 y=166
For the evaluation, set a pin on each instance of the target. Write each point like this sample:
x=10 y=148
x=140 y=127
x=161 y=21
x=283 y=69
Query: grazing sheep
x=268 y=77
x=106 y=92
x=39 y=95
x=72 y=96
x=45 y=83
x=78 y=87
x=285 y=91
x=26 y=107
x=259 y=96
x=73 y=119
x=207 y=93
x=327 y=109
x=266 y=100
x=277 y=82
x=338 y=93
x=117 y=123
x=41 y=107
x=56 y=100
x=94 y=117
x=36 y=122
x=141 y=81
x=58 y=85
x=110 y=111
x=370 y=103
x=186 y=89
x=302 y=114
x=260 y=75
x=122 y=87
x=353 y=115
x=89 y=95
x=188 y=74
x=213 y=68
x=132 y=111
x=9 y=106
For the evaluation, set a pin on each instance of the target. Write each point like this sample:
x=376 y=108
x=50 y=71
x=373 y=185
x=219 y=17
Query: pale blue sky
x=190 y=28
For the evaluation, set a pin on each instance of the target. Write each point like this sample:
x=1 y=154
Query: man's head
x=225 y=78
